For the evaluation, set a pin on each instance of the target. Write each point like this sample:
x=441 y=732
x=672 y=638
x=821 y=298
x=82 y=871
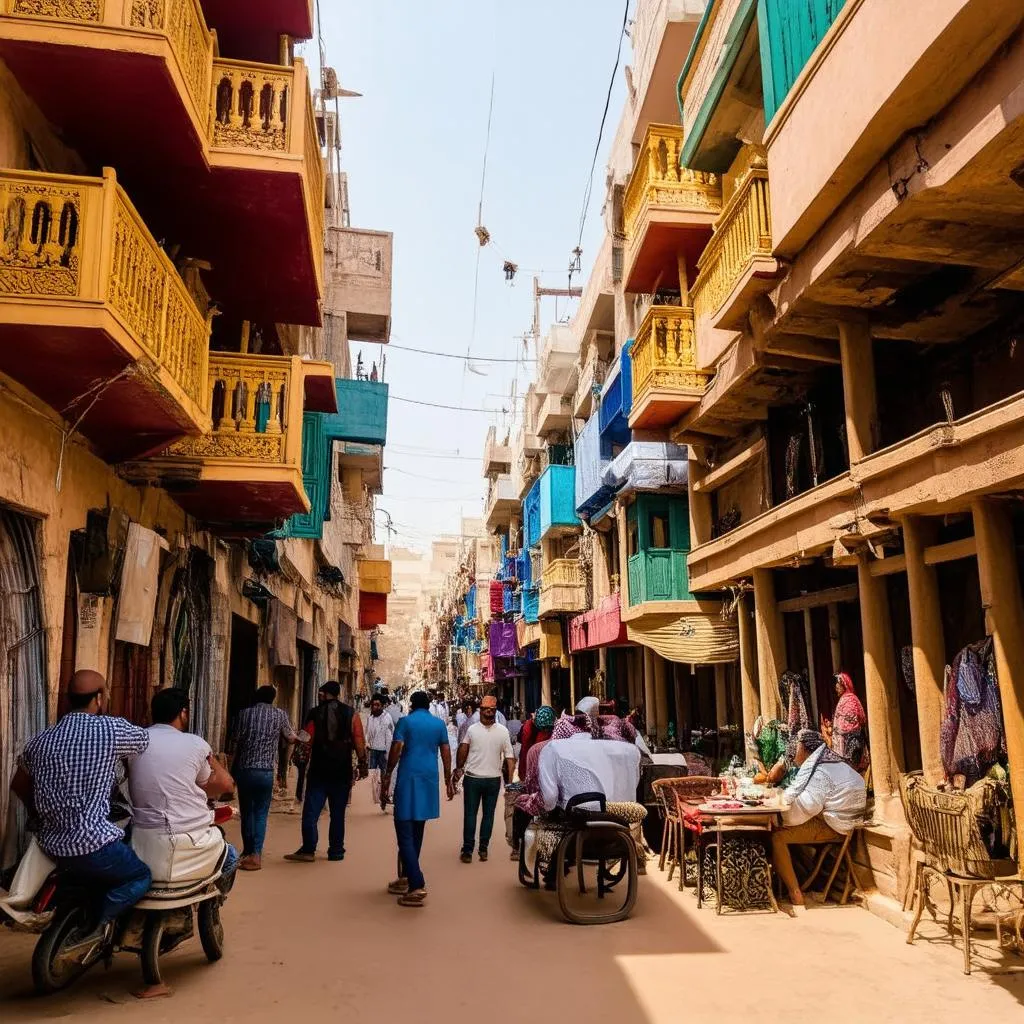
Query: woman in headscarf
x=825 y=803
x=536 y=730
x=528 y=803
x=849 y=725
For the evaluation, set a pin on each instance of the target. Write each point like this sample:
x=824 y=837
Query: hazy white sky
x=413 y=147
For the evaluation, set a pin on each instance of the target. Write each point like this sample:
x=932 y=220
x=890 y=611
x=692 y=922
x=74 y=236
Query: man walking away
x=418 y=739
x=257 y=737
x=482 y=755
x=337 y=731
x=380 y=731
x=65 y=778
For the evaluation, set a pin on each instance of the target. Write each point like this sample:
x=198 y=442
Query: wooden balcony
x=244 y=474
x=666 y=381
x=94 y=318
x=737 y=264
x=222 y=157
x=667 y=211
x=561 y=588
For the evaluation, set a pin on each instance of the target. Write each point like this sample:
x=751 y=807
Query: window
x=659 y=530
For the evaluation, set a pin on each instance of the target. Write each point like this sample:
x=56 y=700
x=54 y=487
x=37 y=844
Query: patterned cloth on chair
x=634 y=815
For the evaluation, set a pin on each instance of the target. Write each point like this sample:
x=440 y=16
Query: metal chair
x=946 y=826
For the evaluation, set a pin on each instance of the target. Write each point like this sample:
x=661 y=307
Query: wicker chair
x=946 y=826
x=671 y=829
x=689 y=793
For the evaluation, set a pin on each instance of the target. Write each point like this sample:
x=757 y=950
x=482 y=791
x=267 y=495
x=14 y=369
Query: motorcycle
x=61 y=912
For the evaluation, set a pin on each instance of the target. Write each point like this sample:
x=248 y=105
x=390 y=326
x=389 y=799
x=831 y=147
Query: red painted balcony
x=221 y=157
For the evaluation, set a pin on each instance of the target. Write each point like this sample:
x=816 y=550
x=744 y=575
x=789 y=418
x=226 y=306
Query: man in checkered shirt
x=65 y=777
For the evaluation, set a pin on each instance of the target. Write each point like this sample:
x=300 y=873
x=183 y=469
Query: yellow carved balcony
x=561 y=587
x=245 y=472
x=94 y=319
x=225 y=153
x=667 y=211
x=737 y=264
x=666 y=381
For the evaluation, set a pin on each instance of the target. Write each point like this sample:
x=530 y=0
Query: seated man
x=587 y=764
x=826 y=802
x=171 y=784
x=65 y=777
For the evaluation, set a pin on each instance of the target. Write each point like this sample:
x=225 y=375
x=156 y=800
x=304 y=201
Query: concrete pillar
x=859 y=394
x=661 y=695
x=750 y=696
x=928 y=640
x=700 y=504
x=650 y=699
x=881 y=681
x=1004 y=621
x=545 y=682
x=812 y=676
x=721 y=697
x=771 y=653
x=680 y=695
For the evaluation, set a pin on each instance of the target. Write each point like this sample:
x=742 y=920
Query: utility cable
x=452 y=355
x=441 y=405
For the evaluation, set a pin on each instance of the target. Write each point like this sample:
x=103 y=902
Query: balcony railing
x=743 y=235
x=561 y=587
x=664 y=357
x=256 y=409
x=658 y=180
x=78 y=242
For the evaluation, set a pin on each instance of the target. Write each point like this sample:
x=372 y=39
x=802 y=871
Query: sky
x=413 y=146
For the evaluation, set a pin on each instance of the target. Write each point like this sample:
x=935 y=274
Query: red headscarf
x=850 y=716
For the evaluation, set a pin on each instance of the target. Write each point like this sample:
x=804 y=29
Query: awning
x=599 y=627
x=688 y=639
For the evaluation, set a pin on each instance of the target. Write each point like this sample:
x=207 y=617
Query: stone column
x=661 y=695
x=721 y=697
x=859 y=394
x=650 y=698
x=928 y=640
x=1004 y=620
x=602 y=667
x=880 y=679
x=545 y=682
x=770 y=651
x=750 y=696
x=680 y=695
x=834 y=638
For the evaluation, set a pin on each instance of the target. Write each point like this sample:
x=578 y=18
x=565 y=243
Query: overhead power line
x=441 y=405
x=452 y=355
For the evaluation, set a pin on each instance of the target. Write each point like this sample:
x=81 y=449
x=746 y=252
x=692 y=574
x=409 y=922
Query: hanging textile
x=373 y=610
x=502 y=640
x=497 y=597
x=688 y=639
x=140 y=584
x=972 y=738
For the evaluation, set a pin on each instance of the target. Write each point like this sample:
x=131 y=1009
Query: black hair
x=420 y=700
x=167 y=704
x=266 y=695
x=78 y=701
x=378 y=699
x=332 y=688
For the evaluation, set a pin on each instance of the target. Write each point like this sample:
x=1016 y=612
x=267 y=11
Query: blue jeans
x=474 y=792
x=320 y=791
x=255 y=791
x=379 y=759
x=410 y=843
x=116 y=869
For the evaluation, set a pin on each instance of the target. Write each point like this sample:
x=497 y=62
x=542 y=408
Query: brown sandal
x=416 y=898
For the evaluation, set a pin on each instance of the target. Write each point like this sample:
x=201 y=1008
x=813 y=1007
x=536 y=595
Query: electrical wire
x=423 y=476
x=429 y=455
x=441 y=405
x=452 y=355
x=600 y=135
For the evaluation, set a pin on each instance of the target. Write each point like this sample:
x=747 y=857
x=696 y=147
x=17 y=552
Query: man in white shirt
x=826 y=801
x=439 y=707
x=583 y=764
x=170 y=784
x=394 y=711
x=380 y=730
x=483 y=753
x=475 y=717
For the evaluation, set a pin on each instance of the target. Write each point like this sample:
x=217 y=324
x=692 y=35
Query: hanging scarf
x=849 y=736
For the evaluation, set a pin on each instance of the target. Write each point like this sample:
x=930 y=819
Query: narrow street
x=324 y=942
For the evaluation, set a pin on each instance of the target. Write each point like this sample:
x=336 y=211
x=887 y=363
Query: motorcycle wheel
x=211 y=930
x=152 y=939
x=51 y=971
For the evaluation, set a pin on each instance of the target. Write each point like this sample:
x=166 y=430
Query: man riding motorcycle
x=65 y=777
x=171 y=783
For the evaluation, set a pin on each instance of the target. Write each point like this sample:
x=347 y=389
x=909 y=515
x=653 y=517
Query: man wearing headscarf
x=826 y=802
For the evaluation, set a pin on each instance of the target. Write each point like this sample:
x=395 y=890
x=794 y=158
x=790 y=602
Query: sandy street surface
x=324 y=942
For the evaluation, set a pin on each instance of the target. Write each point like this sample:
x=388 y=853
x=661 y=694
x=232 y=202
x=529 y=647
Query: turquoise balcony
x=362 y=412
x=558 y=500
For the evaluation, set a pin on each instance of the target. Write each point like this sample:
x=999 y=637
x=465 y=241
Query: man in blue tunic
x=419 y=738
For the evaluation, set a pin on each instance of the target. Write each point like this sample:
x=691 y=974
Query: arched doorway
x=23 y=686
